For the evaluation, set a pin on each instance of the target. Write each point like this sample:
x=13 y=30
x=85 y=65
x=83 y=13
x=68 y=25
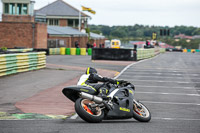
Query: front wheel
x=88 y=110
x=141 y=112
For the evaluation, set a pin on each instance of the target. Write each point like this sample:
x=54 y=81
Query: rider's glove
x=109 y=80
x=121 y=82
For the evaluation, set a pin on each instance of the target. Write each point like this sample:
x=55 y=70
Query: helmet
x=90 y=70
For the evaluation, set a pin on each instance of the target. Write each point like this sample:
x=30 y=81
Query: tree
x=196 y=32
x=118 y=33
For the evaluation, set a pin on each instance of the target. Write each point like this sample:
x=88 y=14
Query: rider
x=90 y=77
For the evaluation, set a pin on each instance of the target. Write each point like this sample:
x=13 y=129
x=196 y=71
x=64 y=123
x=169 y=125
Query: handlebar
x=125 y=84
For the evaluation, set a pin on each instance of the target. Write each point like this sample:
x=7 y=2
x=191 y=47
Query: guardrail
x=145 y=53
x=148 y=53
x=162 y=50
x=21 y=62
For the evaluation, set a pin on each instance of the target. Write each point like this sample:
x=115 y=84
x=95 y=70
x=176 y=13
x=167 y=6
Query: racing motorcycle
x=119 y=103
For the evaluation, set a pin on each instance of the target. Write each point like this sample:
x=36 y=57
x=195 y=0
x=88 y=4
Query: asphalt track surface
x=169 y=85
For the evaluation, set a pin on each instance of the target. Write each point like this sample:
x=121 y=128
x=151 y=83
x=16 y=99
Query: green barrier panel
x=83 y=51
x=78 y=51
x=89 y=51
x=197 y=50
x=67 y=51
x=73 y=51
x=188 y=50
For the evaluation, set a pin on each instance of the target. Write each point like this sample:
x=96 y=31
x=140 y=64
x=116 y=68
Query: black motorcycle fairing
x=72 y=92
x=122 y=104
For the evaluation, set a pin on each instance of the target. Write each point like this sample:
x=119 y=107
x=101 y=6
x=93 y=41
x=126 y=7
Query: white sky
x=130 y=12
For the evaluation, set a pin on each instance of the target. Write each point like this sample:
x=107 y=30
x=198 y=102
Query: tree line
x=144 y=32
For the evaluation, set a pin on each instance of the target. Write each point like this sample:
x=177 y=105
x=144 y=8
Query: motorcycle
x=119 y=103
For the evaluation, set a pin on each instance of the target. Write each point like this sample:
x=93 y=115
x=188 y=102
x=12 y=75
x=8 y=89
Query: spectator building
x=54 y=25
x=19 y=28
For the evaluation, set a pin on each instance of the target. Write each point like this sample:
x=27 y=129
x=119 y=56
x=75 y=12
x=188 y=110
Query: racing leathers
x=90 y=80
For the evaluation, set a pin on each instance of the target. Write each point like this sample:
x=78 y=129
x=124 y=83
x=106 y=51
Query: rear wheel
x=141 y=112
x=87 y=110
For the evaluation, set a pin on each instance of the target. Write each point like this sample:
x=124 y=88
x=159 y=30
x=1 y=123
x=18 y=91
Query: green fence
x=21 y=62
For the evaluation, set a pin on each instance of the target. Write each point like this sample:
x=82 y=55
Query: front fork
x=137 y=104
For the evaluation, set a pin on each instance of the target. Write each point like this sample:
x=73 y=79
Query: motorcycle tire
x=142 y=115
x=85 y=113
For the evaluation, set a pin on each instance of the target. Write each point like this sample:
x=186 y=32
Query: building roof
x=183 y=36
x=60 y=8
x=68 y=31
x=137 y=42
x=96 y=36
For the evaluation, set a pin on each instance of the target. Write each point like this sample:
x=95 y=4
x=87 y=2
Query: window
x=70 y=22
x=56 y=22
x=37 y=19
x=16 y=9
x=25 y=9
x=19 y=9
x=50 y=21
x=6 y=10
x=73 y=22
x=76 y=22
x=11 y=8
x=53 y=22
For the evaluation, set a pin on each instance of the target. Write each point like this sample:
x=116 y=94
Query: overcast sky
x=146 y=12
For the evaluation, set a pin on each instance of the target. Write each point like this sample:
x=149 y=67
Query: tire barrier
x=21 y=62
x=41 y=50
x=83 y=51
x=21 y=50
x=54 y=51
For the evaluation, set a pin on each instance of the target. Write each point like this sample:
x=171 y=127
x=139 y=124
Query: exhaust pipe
x=91 y=97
